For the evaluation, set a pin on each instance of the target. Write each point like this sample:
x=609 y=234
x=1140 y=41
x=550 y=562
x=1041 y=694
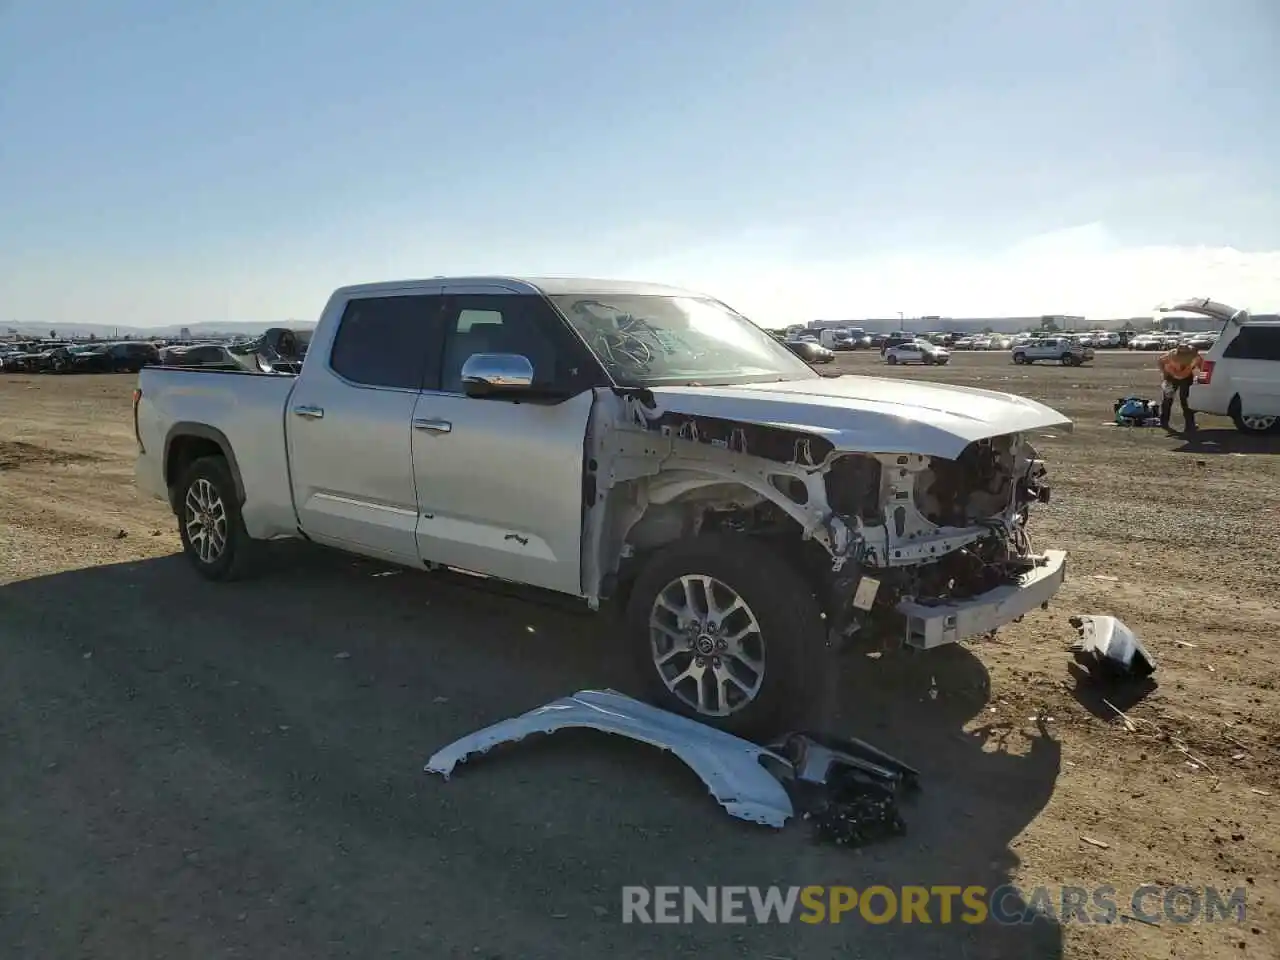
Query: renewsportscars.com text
x=942 y=904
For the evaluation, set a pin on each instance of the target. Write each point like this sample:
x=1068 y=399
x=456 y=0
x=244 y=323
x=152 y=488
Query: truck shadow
x=278 y=728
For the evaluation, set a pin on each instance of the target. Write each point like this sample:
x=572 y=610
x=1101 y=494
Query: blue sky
x=177 y=162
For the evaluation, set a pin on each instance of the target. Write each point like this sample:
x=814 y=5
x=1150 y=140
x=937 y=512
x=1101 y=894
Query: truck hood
x=869 y=414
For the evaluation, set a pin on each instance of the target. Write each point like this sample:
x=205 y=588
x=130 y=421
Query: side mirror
x=490 y=374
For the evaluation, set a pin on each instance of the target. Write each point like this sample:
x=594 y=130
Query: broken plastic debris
x=1105 y=642
x=729 y=766
x=847 y=788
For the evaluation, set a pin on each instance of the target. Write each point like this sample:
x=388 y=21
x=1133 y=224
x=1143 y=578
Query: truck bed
x=244 y=411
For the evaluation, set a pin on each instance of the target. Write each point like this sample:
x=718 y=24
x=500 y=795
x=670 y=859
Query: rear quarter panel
x=245 y=409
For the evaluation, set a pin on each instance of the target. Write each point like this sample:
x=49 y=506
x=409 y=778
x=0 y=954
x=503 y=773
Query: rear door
x=1252 y=362
x=500 y=482
x=348 y=425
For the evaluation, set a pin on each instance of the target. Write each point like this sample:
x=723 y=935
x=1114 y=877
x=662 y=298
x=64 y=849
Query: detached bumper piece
x=933 y=625
x=1109 y=648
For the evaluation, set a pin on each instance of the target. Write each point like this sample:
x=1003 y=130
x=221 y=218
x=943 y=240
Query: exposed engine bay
x=872 y=530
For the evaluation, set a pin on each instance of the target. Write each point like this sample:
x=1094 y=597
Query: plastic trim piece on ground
x=730 y=767
x=1108 y=642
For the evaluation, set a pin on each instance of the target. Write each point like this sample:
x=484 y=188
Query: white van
x=835 y=339
x=1241 y=373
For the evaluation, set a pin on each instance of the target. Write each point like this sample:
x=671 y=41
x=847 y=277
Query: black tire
x=791 y=634
x=1237 y=417
x=891 y=359
x=235 y=560
x=1020 y=358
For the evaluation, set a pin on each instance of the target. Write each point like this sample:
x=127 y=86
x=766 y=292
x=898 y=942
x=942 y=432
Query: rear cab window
x=389 y=342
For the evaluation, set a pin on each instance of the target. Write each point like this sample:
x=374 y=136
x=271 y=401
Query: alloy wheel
x=206 y=521
x=707 y=645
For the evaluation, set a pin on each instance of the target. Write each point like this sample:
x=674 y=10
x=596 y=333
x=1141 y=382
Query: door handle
x=432 y=426
x=311 y=413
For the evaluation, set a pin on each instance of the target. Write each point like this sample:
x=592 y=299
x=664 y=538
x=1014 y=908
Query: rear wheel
x=727 y=632
x=1252 y=423
x=209 y=521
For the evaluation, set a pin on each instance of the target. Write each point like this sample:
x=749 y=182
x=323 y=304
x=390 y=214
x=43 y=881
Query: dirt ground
x=189 y=769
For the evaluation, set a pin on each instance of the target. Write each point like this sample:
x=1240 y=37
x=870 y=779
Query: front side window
x=645 y=340
x=513 y=323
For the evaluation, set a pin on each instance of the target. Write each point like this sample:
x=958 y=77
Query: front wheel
x=1019 y=358
x=727 y=632
x=891 y=359
x=209 y=521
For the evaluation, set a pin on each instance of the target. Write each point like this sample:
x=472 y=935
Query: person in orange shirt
x=1178 y=368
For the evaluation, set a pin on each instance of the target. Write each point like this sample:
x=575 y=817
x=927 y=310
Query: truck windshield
x=652 y=340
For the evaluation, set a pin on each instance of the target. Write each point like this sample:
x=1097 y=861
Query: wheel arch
x=187 y=442
x=693 y=504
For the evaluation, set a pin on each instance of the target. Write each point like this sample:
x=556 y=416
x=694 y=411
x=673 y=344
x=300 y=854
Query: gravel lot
x=235 y=770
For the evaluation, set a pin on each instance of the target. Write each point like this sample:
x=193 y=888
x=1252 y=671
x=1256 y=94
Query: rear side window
x=1255 y=343
x=388 y=341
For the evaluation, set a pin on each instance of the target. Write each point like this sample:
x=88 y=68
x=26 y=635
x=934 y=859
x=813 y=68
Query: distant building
x=184 y=333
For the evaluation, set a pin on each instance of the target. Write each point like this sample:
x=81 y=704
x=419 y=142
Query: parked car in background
x=1240 y=374
x=1146 y=341
x=1106 y=340
x=1064 y=350
x=196 y=355
x=810 y=351
x=41 y=358
x=859 y=339
x=918 y=351
x=741 y=510
x=107 y=358
x=893 y=339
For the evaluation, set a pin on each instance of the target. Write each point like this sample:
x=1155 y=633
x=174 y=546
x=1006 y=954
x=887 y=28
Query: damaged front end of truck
x=908 y=518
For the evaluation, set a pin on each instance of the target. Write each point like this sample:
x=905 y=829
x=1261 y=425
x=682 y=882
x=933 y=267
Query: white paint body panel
x=870 y=414
x=501 y=492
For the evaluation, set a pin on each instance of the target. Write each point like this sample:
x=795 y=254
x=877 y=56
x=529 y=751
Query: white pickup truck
x=621 y=442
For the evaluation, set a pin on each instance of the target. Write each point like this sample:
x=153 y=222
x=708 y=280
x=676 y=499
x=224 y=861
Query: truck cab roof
x=547 y=286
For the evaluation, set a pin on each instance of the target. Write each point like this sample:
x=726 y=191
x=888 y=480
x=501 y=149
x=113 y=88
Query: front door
x=500 y=482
